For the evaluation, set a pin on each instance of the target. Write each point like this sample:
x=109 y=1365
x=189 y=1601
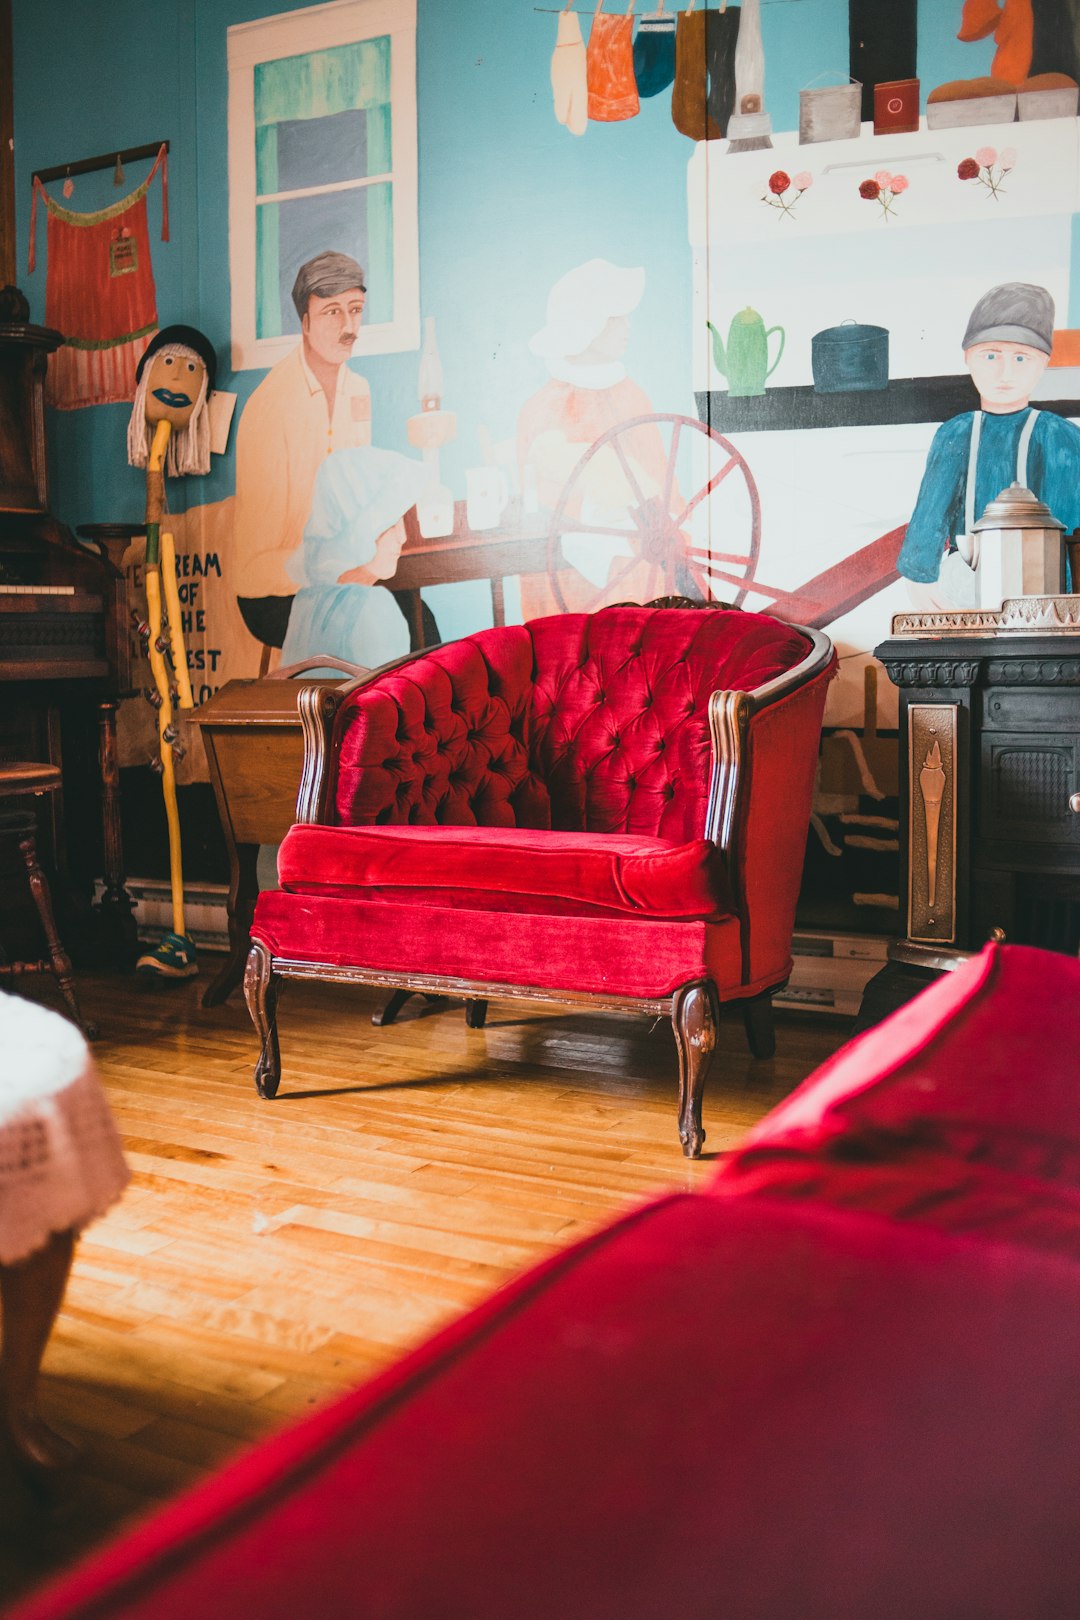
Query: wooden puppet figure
x=169 y=431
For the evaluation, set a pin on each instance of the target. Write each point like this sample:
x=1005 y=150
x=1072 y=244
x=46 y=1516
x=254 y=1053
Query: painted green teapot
x=745 y=360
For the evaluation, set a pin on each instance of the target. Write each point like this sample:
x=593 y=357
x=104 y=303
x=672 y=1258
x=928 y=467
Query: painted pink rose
x=870 y=190
x=986 y=155
x=899 y=183
x=779 y=182
x=884 y=179
x=802 y=182
x=967 y=169
x=1007 y=158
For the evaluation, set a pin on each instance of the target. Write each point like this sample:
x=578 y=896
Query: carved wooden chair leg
x=61 y=961
x=387 y=1013
x=760 y=1030
x=260 y=993
x=694 y=1017
x=475 y=1013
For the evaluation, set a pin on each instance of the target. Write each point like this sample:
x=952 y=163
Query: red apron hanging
x=99 y=292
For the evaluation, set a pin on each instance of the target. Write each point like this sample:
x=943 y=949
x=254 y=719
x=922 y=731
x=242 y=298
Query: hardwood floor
x=268 y=1255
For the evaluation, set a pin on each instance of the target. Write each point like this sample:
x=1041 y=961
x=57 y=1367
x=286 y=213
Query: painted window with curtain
x=322 y=154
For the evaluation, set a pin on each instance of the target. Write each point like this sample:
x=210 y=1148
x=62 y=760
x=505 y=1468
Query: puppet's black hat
x=192 y=338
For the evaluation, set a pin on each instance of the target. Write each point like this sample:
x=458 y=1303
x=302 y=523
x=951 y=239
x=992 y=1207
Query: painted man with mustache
x=308 y=405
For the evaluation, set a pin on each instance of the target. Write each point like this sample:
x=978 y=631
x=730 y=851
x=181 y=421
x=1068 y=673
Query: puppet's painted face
x=332 y=325
x=1005 y=374
x=173 y=387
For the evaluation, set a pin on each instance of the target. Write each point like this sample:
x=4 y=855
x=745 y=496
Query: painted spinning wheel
x=624 y=530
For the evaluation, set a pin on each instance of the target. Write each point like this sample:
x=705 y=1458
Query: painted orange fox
x=1012 y=24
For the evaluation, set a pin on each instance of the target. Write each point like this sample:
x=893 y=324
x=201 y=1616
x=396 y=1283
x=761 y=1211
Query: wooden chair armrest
x=317 y=705
x=729 y=716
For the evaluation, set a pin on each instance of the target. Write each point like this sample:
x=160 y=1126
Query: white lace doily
x=61 y=1163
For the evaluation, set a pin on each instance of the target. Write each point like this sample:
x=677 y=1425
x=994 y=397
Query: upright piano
x=64 y=640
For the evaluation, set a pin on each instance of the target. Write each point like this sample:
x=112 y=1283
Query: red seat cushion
x=620 y=873
x=601 y=953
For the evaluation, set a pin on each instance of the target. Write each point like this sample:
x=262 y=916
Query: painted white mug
x=486 y=495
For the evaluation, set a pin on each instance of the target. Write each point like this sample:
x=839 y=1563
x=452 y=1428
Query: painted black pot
x=850 y=358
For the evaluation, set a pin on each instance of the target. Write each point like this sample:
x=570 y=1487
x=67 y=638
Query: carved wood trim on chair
x=728 y=716
x=317 y=706
x=260 y=993
x=694 y=1010
x=694 y=1017
x=286 y=967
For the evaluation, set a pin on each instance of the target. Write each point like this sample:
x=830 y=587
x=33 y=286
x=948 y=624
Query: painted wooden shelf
x=906 y=399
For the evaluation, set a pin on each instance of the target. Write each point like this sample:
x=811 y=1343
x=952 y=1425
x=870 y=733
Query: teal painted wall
x=508 y=199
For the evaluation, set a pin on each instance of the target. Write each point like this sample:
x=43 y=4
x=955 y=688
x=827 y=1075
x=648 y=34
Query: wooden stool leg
x=31 y=1293
x=61 y=962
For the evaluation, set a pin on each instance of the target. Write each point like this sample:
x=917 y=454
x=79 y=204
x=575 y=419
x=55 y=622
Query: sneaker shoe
x=173 y=957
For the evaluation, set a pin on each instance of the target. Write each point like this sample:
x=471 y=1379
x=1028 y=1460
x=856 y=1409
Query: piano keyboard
x=37 y=590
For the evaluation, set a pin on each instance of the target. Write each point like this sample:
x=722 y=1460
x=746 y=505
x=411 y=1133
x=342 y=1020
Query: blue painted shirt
x=1053 y=474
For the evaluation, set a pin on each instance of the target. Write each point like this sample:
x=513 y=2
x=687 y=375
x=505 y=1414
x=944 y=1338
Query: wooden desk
x=255 y=751
x=519 y=545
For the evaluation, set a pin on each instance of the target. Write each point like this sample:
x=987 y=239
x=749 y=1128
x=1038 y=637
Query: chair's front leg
x=475 y=1014
x=694 y=1017
x=757 y=1014
x=260 y=993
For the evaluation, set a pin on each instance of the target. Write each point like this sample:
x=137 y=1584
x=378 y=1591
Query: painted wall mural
x=710 y=317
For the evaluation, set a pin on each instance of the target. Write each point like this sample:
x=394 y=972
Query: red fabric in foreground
x=638 y=875
x=962 y=1111
x=988 y=1055
x=853 y=1398
x=749 y=1409
x=604 y=955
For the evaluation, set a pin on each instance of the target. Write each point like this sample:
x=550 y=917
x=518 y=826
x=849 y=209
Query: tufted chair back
x=579 y=722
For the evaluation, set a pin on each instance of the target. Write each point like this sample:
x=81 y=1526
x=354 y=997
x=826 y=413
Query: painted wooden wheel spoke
x=707 y=489
x=654 y=534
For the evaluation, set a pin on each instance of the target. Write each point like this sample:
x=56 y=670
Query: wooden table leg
x=243 y=893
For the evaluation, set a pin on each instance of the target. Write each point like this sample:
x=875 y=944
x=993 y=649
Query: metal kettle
x=745 y=359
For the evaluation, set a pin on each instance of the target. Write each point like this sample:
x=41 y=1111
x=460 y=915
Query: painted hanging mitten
x=689 y=93
x=569 y=82
x=654 y=55
x=721 y=39
x=610 y=59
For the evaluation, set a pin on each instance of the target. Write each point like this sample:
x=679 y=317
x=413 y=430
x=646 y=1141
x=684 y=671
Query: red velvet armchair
x=606 y=809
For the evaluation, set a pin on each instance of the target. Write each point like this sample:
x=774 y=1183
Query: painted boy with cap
x=976 y=455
